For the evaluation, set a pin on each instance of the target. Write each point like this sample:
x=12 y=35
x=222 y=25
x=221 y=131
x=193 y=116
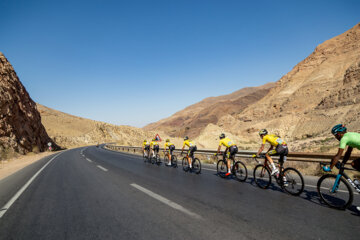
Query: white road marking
x=89 y=159
x=102 y=168
x=166 y=201
x=6 y=207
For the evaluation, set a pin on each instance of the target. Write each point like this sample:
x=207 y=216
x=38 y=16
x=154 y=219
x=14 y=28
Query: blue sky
x=135 y=62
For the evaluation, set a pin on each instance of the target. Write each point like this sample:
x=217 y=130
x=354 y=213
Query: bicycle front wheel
x=240 y=171
x=293 y=181
x=166 y=160
x=185 y=164
x=262 y=176
x=221 y=168
x=196 y=166
x=339 y=197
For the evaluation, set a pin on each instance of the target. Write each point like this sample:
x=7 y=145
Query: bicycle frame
x=347 y=178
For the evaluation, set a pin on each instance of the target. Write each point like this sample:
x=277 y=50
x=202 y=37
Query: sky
x=135 y=62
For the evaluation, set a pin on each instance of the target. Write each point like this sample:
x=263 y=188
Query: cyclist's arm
x=218 y=150
x=271 y=148
x=260 y=150
x=337 y=157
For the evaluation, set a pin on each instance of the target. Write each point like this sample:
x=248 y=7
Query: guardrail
x=292 y=156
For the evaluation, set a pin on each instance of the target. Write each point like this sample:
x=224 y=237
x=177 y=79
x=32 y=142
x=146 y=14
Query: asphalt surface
x=93 y=193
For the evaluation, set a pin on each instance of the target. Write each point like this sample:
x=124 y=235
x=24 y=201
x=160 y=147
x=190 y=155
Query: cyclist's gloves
x=254 y=156
x=327 y=169
x=215 y=154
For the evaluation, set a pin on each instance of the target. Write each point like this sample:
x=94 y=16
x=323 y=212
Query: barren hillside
x=195 y=118
x=71 y=131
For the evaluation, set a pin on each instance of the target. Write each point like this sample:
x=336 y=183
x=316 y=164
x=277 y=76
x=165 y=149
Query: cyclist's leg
x=267 y=155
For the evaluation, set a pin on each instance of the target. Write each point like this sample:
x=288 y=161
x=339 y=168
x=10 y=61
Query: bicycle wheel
x=240 y=171
x=166 y=160
x=221 y=168
x=341 y=198
x=185 y=164
x=174 y=161
x=262 y=176
x=196 y=166
x=158 y=160
x=295 y=181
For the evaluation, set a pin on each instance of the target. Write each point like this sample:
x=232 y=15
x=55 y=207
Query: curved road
x=93 y=193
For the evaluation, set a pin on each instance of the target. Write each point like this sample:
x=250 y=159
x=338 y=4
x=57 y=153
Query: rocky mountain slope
x=195 y=118
x=320 y=91
x=71 y=131
x=21 y=130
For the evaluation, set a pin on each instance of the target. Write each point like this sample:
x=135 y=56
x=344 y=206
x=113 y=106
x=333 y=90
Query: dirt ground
x=12 y=165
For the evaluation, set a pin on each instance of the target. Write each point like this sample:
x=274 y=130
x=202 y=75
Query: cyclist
x=146 y=147
x=192 y=149
x=280 y=145
x=154 y=145
x=350 y=139
x=230 y=146
x=171 y=147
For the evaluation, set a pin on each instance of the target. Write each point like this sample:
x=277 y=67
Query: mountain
x=72 y=131
x=21 y=130
x=319 y=92
x=193 y=119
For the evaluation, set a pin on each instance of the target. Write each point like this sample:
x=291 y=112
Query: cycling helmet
x=145 y=140
x=263 y=132
x=167 y=140
x=186 y=138
x=338 y=128
x=222 y=136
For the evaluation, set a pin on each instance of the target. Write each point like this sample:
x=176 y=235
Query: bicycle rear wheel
x=158 y=160
x=295 y=181
x=221 y=168
x=196 y=166
x=240 y=171
x=174 y=161
x=185 y=164
x=341 y=198
x=262 y=176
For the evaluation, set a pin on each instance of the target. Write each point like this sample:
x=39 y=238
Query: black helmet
x=338 y=128
x=167 y=140
x=186 y=138
x=263 y=132
x=222 y=136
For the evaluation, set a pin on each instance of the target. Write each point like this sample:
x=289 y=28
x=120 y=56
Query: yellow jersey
x=189 y=143
x=273 y=140
x=145 y=144
x=226 y=142
x=168 y=144
x=154 y=143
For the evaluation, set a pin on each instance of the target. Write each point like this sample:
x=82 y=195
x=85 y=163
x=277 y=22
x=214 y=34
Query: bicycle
x=173 y=159
x=196 y=164
x=238 y=168
x=335 y=190
x=155 y=159
x=289 y=179
x=146 y=156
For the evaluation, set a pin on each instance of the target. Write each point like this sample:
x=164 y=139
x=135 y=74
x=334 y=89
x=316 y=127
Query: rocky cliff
x=20 y=123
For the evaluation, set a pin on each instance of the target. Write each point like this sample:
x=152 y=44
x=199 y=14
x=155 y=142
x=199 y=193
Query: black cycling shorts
x=171 y=149
x=356 y=164
x=233 y=150
x=280 y=150
x=156 y=148
x=147 y=147
x=191 y=151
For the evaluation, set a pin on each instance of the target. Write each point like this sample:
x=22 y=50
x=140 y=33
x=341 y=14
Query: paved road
x=92 y=193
